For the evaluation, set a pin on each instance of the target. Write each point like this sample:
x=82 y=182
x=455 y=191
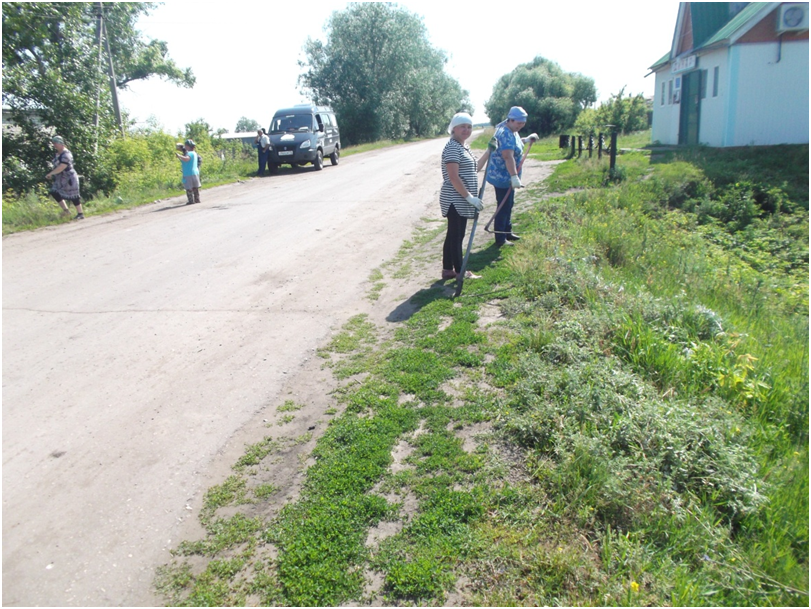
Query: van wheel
x=318 y=163
x=333 y=158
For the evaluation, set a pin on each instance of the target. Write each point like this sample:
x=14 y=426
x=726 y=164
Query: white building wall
x=711 y=121
x=665 y=127
x=769 y=105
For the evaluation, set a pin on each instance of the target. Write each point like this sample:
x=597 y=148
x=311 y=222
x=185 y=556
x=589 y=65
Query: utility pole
x=99 y=27
x=113 y=86
x=101 y=33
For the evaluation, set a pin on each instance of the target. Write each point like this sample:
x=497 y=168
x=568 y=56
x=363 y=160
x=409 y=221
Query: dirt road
x=142 y=350
x=136 y=344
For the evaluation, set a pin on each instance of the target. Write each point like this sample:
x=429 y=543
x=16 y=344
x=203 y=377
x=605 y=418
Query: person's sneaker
x=469 y=275
x=504 y=243
x=448 y=274
x=79 y=217
x=513 y=237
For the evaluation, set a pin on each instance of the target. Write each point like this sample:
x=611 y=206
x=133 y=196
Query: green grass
x=289 y=406
x=37 y=209
x=135 y=188
x=546 y=149
x=641 y=415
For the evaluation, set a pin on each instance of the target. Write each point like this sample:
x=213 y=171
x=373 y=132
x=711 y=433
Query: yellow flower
x=634 y=586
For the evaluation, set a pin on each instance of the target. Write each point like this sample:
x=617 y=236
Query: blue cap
x=517 y=113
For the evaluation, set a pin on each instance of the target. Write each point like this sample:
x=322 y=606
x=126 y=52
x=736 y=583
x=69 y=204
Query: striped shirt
x=460 y=154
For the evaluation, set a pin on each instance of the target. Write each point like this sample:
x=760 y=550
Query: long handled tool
x=460 y=278
x=509 y=190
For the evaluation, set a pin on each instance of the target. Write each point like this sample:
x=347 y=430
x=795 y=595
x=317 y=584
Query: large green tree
x=245 y=124
x=552 y=98
x=380 y=74
x=56 y=81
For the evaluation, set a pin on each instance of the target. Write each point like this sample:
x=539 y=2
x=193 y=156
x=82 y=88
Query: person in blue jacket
x=503 y=172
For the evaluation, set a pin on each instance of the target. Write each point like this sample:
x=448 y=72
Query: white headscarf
x=460 y=118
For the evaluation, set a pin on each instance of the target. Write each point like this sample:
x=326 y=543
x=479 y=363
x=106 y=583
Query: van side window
x=325 y=118
x=320 y=124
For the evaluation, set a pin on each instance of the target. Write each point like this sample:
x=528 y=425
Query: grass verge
x=615 y=414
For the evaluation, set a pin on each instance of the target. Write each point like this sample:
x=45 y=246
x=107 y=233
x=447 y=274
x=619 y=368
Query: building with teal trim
x=736 y=75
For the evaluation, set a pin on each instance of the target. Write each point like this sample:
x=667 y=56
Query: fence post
x=591 y=144
x=571 y=139
x=600 y=145
x=613 y=150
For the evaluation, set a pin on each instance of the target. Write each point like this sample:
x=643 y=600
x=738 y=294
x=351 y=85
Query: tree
x=380 y=74
x=199 y=131
x=53 y=77
x=244 y=125
x=552 y=98
x=626 y=114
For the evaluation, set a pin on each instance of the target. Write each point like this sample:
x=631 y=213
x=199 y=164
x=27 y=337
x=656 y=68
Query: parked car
x=304 y=134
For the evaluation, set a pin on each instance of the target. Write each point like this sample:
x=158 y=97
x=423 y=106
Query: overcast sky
x=245 y=55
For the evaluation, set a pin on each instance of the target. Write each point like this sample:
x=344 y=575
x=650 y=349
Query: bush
x=627 y=114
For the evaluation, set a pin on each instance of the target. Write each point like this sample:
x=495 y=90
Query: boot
x=196 y=195
x=189 y=197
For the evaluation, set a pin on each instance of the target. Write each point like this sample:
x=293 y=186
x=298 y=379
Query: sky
x=245 y=55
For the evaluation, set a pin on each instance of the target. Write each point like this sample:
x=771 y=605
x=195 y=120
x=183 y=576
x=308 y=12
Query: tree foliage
x=552 y=98
x=245 y=124
x=627 y=114
x=53 y=74
x=380 y=74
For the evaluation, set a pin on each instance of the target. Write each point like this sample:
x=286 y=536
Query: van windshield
x=291 y=123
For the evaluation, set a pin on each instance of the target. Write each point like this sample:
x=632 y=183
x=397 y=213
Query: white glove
x=475 y=202
x=515 y=182
x=533 y=137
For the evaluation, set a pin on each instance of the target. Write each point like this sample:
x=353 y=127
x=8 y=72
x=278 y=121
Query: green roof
x=661 y=62
x=738 y=21
x=707 y=18
x=712 y=25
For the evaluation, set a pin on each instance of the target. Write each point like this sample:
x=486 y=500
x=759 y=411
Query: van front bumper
x=292 y=155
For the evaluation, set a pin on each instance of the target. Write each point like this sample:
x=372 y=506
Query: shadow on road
x=168 y=207
x=443 y=289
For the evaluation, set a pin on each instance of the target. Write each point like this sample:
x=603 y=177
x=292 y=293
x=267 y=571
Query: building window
x=669 y=91
x=662 y=101
x=715 y=74
x=702 y=87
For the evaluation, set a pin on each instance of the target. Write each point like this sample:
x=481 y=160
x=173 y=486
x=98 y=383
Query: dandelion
x=634 y=587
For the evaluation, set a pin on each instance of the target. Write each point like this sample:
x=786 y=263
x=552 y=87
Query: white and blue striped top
x=460 y=154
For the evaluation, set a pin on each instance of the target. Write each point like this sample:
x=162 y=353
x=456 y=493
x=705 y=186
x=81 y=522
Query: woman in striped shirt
x=458 y=197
